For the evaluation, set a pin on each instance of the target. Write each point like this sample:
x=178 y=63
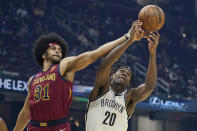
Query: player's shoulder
x=67 y=60
x=30 y=78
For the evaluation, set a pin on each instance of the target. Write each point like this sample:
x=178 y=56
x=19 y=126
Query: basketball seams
x=146 y=19
x=155 y=13
x=141 y=19
x=162 y=17
x=159 y=14
x=152 y=18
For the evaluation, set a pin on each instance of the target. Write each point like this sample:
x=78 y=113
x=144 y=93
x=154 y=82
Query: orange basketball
x=152 y=18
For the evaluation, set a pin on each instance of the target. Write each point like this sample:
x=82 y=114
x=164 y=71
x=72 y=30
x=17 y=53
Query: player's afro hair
x=118 y=66
x=42 y=42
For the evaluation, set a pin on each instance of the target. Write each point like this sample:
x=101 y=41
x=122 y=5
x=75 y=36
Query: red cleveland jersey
x=50 y=95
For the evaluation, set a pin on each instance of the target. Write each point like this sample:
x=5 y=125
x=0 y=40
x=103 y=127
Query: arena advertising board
x=21 y=86
x=163 y=104
x=81 y=93
x=13 y=85
x=155 y=101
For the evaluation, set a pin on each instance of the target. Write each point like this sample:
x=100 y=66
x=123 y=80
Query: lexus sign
x=167 y=104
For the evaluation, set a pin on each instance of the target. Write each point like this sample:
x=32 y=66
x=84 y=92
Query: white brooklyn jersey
x=107 y=113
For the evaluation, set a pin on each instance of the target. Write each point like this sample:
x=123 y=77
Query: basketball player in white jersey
x=112 y=101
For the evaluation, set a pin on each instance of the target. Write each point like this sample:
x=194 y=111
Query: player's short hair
x=41 y=44
x=118 y=66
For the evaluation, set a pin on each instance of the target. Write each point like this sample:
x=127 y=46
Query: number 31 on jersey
x=38 y=93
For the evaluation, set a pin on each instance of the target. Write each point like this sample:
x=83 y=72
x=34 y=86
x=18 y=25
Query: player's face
x=122 y=77
x=54 y=53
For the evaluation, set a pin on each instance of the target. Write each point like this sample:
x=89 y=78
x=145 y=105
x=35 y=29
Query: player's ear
x=43 y=55
x=111 y=76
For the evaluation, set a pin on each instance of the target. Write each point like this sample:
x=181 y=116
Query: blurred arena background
x=87 y=24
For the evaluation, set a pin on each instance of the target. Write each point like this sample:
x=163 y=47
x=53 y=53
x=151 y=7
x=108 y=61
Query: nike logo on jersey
x=112 y=104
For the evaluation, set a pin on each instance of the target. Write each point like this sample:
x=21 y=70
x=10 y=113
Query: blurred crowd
x=22 y=22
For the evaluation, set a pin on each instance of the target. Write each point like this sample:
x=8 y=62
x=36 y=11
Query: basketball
x=152 y=18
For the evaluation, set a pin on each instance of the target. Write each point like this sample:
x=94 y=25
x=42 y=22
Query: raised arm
x=103 y=72
x=69 y=65
x=24 y=115
x=143 y=91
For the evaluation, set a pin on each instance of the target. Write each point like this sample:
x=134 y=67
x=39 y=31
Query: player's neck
x=46 y=65
x=117 y=88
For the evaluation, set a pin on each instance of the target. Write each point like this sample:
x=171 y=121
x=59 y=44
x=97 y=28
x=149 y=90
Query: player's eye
x=121 y=71
x=52 y=47
x=60 y=50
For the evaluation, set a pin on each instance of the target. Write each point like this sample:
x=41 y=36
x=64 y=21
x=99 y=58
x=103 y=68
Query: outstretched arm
x=24 y=115
x=143 y=91
x=69 y=65
x=103 y=72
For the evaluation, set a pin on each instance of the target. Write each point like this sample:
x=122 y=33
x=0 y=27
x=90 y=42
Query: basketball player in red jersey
x=50 y=91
